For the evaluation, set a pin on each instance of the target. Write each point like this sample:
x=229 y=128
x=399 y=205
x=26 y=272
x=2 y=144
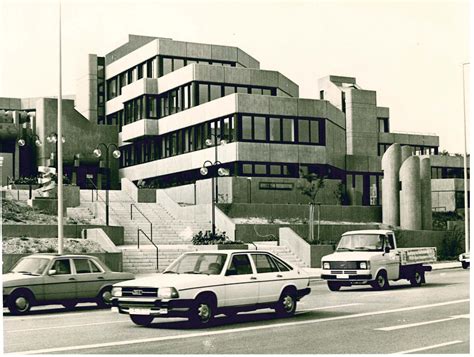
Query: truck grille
x=343 y=265
x=139 y=292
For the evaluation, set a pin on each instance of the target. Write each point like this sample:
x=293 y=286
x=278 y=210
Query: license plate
x=138 y=311
x=163 y=311
x=343 y=276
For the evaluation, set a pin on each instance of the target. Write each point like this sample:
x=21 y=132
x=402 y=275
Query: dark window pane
x=240 y=265
x=229 y=90
x=247 y=169
x=256 y=90
x=264 y=264
x=303 y=131
x=275 y=129
x=246 y=127
x=215 y=91
x=167 y=65
x=242 y=90
x=260 y=128
x=82 y=266
x=275 y=170
x=178 y=63
x=260 y=169
x=314 y=131
x=267 y=92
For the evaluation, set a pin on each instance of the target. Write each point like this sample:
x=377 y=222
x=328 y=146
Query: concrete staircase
x=283 y=252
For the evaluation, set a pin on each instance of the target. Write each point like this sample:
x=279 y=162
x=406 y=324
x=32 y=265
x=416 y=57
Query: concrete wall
x=86 y=88
x=410 y=194
x=443 y=193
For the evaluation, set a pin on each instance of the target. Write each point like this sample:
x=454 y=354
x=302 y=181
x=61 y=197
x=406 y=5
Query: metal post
x=213 y=211
x=215 y=164
x=466 y=209
x=60 y=148
x=107 y=165
x=319 y=219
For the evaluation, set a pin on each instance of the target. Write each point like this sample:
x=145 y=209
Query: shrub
x=452 y=244
x=207 y=238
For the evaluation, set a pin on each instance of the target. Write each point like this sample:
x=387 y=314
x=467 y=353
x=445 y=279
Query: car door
x=241 y=283
x=270 y=278
x=62 y=284
x=89 y=278
x=392 y=258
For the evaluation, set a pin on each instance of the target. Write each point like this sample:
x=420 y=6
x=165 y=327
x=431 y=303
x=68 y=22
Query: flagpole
x=60 y=147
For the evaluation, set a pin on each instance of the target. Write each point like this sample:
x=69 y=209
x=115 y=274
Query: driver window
x=390 y=241
x=62 y=267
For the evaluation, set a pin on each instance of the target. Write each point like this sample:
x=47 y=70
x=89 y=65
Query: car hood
x=178 y=281
x=17 y=279
x=350 y=256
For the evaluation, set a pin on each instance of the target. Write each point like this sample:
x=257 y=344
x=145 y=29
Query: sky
x=410 y=51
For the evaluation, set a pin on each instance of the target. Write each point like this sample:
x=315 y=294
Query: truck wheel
x=465 y=265
x=334 y=285
x=381 y=281
x=417 y=278
x=141 y=320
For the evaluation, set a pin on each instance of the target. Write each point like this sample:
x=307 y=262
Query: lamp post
x=466 y=209
x=116 y=155
x=220 y=172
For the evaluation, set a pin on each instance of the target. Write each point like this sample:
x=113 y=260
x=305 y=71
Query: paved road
x=430 y=319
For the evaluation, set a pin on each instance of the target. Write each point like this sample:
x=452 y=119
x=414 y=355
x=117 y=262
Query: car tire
x=203 y=311
x=20 y=302
x=141 y=320
x=69 y=305
x=381 y=281
x=417 y=278
x=104 y=297
x=286 y=305
x=465 y=265
x=334 y=285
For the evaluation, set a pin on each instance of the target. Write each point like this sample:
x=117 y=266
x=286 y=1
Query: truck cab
x=372 y=257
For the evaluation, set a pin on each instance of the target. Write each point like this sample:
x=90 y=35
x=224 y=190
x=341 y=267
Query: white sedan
x=200 y=285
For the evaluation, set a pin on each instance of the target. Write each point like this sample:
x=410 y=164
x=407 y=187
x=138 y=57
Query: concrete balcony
x=139 y=129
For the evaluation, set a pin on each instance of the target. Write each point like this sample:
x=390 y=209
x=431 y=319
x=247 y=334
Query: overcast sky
x=410 y=52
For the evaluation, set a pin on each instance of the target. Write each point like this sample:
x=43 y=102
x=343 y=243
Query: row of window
x=448 y=172
x=417 y=149
x=231 y=128
x=178 y=99
x=154 y=67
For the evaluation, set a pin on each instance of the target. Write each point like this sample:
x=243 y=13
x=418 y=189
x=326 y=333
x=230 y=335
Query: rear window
x=282 y=265
x=264 y=263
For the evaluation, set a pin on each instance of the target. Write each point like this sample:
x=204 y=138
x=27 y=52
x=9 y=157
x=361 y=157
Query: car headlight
x=116 y=291
x=364 y=265
x=167 y=293
x=326 y=265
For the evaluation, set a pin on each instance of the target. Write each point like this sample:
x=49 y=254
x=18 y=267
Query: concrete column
x=407 y=151
x=410 y=194
x=425 y=182
x=391 y=161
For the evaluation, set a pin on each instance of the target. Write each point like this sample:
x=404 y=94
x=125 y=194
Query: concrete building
x=170 y=104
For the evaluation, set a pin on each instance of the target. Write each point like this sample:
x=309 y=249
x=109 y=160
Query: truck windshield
x=367 y=242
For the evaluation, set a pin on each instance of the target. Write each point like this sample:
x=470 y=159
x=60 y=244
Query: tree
x=309 y=185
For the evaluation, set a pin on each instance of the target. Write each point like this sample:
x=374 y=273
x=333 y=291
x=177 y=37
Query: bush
x=440 y=219
x=452 y=244
x=24 y=245
x=208 y=238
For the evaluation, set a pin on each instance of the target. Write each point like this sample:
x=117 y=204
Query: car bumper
x=162 y=308
x=347 y=277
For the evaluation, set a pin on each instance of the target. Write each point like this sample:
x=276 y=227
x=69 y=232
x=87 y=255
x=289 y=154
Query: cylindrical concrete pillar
x=391 y=162
x=425 y=182
x=410 y=194
x=407 y=151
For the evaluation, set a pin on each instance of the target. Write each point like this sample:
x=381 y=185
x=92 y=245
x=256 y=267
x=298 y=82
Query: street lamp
x=220 y=172
x=116 y=154
x=466 y=209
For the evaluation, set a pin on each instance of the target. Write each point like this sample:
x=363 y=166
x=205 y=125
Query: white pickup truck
x=372 y=257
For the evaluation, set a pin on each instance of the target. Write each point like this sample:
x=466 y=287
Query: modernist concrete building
x=169 y=105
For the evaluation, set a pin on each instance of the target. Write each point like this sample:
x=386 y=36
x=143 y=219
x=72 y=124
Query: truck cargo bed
x=417 y=255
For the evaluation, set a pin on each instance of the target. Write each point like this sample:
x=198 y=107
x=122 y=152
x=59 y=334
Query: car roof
x=56 y=255
x=370 y=231
x=228 y=251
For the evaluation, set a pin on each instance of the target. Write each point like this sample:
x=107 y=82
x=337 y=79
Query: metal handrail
x=151 y=240
x=138 y=209
x=92 y=190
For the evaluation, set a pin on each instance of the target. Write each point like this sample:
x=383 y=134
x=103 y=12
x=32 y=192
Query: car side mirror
x=387 y=249
x=52 y=272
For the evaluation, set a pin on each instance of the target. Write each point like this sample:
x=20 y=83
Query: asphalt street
x=431 y=319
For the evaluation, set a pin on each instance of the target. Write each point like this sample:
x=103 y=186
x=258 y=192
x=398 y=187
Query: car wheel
x=69 y=305
x=334 y=285
x=286 y=306
x=203 y=312
x=105 y=297
x=465 y=265
x=417 y=278
x=20 y=302
x=141 y=320
x=381 y=281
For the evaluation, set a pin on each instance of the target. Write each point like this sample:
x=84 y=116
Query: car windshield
x=368 y=242
x=198 y=263
x=31 y=266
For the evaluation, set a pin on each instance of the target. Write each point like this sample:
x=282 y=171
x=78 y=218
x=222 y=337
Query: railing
x=94 y=187
x=151 y=240
x=138 y=209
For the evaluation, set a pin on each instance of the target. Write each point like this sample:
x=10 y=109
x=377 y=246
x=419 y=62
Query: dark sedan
x=43 y=279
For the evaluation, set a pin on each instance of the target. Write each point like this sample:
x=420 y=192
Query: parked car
x=373 y=257
x=200 y=285
x=42 y=279
x=465 y=259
